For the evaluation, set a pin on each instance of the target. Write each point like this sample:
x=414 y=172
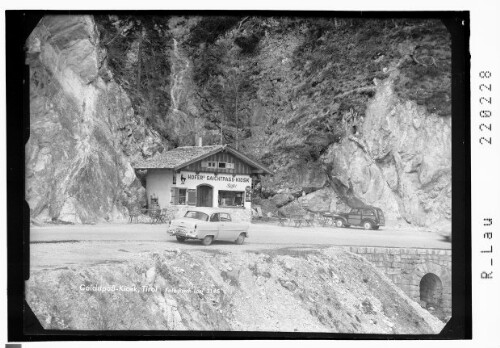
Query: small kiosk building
x=208 y=178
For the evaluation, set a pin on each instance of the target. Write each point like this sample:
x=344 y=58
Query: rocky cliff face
x=355 y=115
x=82 y=127
x=397 y=157
x=400 y=159
x=346 y=112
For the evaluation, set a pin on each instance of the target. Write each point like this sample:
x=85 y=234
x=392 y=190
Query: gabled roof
x=183 y=156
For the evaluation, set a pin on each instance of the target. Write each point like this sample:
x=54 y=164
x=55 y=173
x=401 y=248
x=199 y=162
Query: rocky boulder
x=282 y=199
x=321 y=201
x=296 y=180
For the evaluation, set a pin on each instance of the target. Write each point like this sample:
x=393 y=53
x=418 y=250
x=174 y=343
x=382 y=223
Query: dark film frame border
x=23 y=325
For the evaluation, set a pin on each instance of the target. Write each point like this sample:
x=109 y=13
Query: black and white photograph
x=240 y=172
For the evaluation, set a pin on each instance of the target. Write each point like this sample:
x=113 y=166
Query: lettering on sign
x=225 y=178
x=195 y=177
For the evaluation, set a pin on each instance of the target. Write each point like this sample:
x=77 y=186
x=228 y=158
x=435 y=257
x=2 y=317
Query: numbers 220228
x=485 y=100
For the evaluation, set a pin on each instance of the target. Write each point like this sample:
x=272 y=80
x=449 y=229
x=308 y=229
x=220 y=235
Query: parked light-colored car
x=201 y=226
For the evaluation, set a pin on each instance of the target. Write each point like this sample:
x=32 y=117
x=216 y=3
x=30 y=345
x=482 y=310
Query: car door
x=369 y=214
x=227 y=230
x=381 y=219
x=354 y=217
x=214 y=225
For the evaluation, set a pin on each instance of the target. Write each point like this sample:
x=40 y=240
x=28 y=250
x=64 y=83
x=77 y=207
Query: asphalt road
x=260 y=235
x=61 y=246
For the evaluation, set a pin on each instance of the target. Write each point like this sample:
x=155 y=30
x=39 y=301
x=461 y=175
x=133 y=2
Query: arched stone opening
x=431 y=291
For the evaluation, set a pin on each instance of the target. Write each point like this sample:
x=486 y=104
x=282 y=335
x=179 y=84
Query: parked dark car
x=370 y=218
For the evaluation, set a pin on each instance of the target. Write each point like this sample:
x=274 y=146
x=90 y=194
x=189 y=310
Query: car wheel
x=367 y=225
x=180 y=238
x=339 y=223
x=240 y=239
x=207 y=240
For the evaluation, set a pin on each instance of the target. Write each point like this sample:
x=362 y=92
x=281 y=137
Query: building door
x=205 y=196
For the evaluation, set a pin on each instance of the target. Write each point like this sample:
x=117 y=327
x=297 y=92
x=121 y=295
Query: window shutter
x=248 y=194
x=174 y=195
x=191 y=197
x=204 y=164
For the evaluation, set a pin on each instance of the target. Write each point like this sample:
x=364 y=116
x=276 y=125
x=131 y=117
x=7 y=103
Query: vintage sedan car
x=370 y=218
x=201 y=226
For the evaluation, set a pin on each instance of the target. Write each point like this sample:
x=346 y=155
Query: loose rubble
x=290 y=289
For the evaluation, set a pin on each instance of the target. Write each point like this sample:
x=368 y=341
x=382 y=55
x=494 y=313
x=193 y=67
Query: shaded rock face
x=397 y=157
x=399 y=160
x=79 y=122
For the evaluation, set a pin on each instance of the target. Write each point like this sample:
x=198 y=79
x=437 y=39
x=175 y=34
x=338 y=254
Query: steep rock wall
x=396 y=157
x=80 y=120
x=357 y=111
x=399 y=159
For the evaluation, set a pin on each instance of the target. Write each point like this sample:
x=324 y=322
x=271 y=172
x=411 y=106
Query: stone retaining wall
x=407 y=266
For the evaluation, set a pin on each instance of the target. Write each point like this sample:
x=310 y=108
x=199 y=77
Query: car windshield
x=198 y=215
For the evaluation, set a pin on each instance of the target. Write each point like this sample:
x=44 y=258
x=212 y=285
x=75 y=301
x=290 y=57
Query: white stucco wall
x=159 y=182
x=223 y=182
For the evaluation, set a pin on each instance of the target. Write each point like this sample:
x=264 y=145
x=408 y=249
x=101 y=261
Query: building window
x=174 y=178
x=217 y=165
x=178 y=196
x=226 y=165
x=182 y=196
x=209 y=164
x=231 y=199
